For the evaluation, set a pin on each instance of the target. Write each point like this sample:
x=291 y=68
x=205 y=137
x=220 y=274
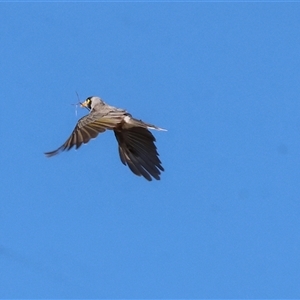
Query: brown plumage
x=135 y=142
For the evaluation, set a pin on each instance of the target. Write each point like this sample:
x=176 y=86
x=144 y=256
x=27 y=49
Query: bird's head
x=87 y=103
x=91 y=102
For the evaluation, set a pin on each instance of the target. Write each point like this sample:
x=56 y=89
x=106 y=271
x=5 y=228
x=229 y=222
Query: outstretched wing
x=138 y=151
x=89 y=127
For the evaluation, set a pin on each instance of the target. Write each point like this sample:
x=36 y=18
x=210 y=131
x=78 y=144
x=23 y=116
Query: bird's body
x=136 y=142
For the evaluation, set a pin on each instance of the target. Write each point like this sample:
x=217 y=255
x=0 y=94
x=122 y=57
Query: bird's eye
x=89 y=102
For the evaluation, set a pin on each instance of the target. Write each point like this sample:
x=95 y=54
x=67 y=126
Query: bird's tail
x=139 y=123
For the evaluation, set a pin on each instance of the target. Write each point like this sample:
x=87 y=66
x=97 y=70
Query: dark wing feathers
x=138 y=151
x=143 y=141
x=86 y=129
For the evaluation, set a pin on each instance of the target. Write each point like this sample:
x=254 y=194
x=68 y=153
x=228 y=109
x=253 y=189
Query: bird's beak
x=83 y=104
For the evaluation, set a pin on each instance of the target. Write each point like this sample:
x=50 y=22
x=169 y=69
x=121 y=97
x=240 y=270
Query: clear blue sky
x=223 y=222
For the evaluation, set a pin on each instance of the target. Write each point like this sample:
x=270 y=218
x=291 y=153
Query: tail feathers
x=131 y=122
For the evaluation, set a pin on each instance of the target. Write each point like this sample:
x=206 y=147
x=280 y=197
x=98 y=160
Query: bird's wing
x=89 y=127
x=138 y=151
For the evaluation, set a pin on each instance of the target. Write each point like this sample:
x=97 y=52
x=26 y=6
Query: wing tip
x=50 y=154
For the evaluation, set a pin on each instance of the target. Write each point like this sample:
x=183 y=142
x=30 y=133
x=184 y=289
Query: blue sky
x=223 y=222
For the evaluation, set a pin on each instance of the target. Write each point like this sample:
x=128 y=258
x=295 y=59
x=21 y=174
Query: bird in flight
x=135 y=142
